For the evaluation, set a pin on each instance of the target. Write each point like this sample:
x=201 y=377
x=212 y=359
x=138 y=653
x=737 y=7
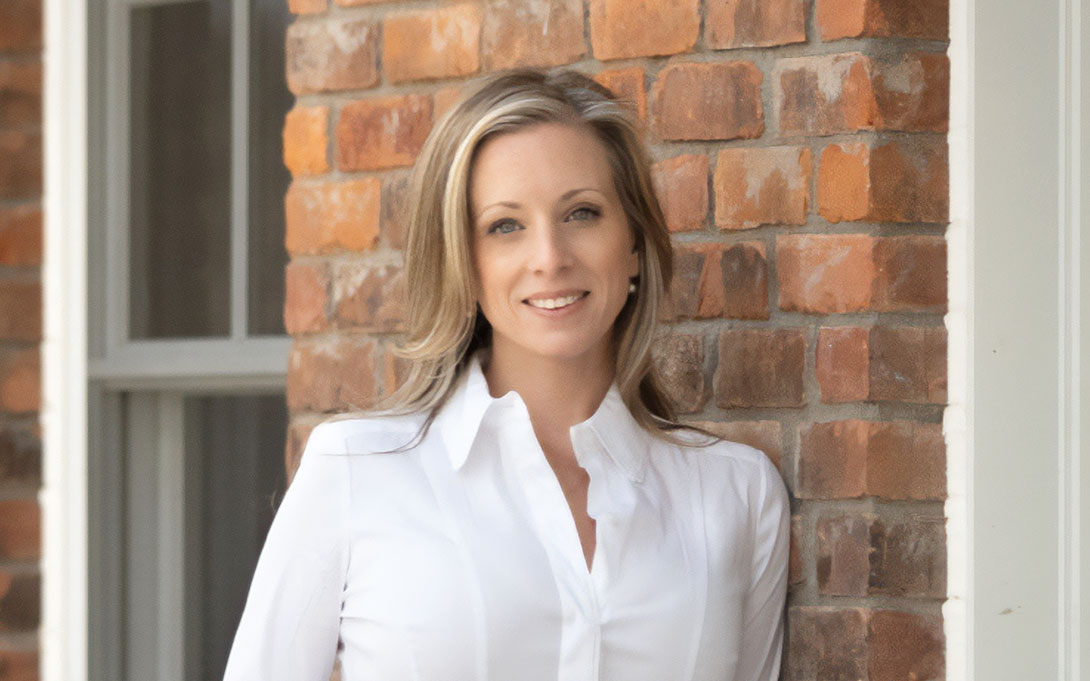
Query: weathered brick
x=368 y=297
x=382 y=133
x=906 y=646
x=20 y=25
x=306 y=140
x=825 y=273
x=328 y=375
x=826 y=643
x=707 y=101
x=908 y=558
x=306 y=6
x=331 y=55
x=20 y=381
x=682 y=186
x=762 y=186
x=20 y=529
x=332 y=216
x=20 y=457
x=715 y=280
x=432 y=43
x=910 y=273
x=306 y=297
x=679 y=358
x=843 y=363
x=20 y=93
x=395 y=209
x=890 y=182
x=892 y=460
x=20 y=600
x=828 y=94
x=543 y=33
x=843 y=554
x=766 y=436
x=21 y=306
x=620 y=29
x=754 y=23
x=21 y=171
x=19 y=665
x=908 y=364
x=832 y=460
x=627 y=85
x=760 y=368
x=21 y=236
x=883 y=19
x=744 y=266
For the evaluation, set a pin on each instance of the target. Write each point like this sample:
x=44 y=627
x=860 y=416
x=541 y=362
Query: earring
x=632 y=287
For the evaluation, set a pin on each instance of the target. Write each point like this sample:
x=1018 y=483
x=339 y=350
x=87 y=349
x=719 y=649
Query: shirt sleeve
x=762 y=629
x=290 y=625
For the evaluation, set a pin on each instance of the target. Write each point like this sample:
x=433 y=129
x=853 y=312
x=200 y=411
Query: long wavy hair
x=444 y=325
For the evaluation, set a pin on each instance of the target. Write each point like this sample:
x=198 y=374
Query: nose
x=550 y=249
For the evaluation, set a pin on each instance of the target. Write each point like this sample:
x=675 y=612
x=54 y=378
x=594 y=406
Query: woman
x=532 y=511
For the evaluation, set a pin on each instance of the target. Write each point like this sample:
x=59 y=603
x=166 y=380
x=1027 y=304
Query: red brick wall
x=20 y=334
x=802 y=162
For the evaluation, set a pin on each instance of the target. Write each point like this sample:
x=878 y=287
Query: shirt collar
x=612 y=426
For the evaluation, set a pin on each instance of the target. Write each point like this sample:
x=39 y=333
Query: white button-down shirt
x=458 y=558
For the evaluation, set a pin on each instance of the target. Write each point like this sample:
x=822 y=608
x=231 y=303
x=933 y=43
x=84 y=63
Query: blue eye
x=584 y=213
x=503 y=227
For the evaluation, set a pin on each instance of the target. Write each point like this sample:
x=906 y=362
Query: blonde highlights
x=443 y=325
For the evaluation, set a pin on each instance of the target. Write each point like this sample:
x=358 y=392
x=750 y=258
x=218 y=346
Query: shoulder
x=723 y=464
x=371 y=434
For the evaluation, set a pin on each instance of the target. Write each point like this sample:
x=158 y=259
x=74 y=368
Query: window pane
x=235 y=446
x=269 y=102
x=180 y=181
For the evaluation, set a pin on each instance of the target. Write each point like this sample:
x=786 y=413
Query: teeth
x=553 y=303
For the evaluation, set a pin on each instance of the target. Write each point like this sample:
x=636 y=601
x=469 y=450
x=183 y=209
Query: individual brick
x=708 y=101
x=883 y=19
x=681 y=183
x=21 y=26
x=908 y=558
x=843 y=554
x=852 y=458
x=20 y=93
x=385 y=132
x=890 y=182
x=306 y=6
x=21 y=171
x=20 y=529
x=21 y=236
x=836 y=93
x=760 y=368
x=20 y=457
x=826 y=643
x=21 y=302
x=679 y=359
x=538 y=34
x=627 y=85
x=427 y=44
x=843 y=363
x=910 y=273
x=825 y=273
x=766 y=436
x=368 y=297
x=21 y=381
x=714 y=280
x=906 y=646
x=306 y=140
x=20 y=600
x=306 y=297
x=754 y=23
x=332 y=216
x=620 y=29
x=323 y=56
x=329 y=375
x=19 y=665
x=908 y=364
x=762 y=186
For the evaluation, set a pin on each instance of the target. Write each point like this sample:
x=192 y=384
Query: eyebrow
x=514 y=205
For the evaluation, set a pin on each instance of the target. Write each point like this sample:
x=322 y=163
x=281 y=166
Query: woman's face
x=552 y=247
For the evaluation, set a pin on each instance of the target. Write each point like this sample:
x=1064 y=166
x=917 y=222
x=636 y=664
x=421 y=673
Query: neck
x=558 y=393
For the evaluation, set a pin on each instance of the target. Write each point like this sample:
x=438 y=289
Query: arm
x=762 y=635
x=290 y=625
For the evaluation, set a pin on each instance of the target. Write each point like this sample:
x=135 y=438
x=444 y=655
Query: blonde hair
x=443 y=324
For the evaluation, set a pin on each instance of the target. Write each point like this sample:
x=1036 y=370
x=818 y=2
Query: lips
x=554 y=302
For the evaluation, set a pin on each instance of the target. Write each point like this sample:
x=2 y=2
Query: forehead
x=545 y=157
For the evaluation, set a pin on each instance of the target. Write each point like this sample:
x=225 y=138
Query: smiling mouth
x=555 y=303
